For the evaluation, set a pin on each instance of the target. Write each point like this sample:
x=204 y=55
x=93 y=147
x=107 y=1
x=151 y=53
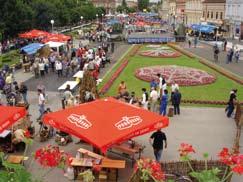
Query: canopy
x=56 y=38
x=105 y=122
x=9 y=115
x=55 y=44
x=203 y=28
x=31 y=48
x=34 y=34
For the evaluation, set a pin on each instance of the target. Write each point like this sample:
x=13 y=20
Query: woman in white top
x=59 y=68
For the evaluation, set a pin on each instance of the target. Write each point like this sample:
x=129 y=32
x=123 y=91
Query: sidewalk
x=206 y=51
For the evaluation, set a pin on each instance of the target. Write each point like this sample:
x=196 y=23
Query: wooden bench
x=127 y=150
x=16 y=159
x=90 y=154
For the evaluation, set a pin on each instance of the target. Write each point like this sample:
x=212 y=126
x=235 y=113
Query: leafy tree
x=124 y=3
x=143 y=4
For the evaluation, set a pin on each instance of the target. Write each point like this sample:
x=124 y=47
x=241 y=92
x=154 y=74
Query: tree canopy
x=20 y=15
x=143 y=4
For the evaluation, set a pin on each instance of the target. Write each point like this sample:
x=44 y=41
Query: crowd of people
x=156 y=99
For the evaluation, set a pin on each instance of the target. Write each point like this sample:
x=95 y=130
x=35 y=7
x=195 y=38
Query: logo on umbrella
x=16 y=116
x=79 y=121
x=128 y=122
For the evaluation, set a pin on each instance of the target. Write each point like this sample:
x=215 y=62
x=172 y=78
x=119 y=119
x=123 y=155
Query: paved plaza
x=207 y=129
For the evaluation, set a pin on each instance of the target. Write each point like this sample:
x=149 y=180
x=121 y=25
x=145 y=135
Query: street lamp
x=52 y=23
x=81 y=18
x=97 y=17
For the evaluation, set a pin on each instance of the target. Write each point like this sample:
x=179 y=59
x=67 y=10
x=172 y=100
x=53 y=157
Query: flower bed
x=107 y=85
x=160 y=52
x=184 y=76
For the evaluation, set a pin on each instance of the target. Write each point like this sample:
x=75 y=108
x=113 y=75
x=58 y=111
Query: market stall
x=124 y=122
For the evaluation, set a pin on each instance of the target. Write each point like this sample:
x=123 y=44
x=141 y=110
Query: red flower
x=51 y=156
x=185 y=149
x=96 y=168
x=27 y=134
x=238 y=169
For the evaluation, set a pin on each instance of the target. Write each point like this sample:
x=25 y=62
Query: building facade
x=193 y=12
x=234 y=18
x=164 y=10
x=214 y=12
x=130 y=3
x=109 y=5
x=180 y=11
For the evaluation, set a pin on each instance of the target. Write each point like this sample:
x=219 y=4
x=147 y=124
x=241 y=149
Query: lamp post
x=97 y=17
x=52 y=23
x=81 y=18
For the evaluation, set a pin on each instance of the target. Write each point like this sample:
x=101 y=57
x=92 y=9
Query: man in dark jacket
x=176 y=100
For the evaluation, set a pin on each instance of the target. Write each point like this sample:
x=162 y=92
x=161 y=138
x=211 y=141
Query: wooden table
x=106 y=165
x=90 y=154
x=15 y=159
x=129 y=150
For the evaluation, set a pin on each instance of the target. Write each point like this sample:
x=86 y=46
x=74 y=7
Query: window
x=211 y=15
x=208 y=15
x=216 y=16
x=203 y=14
x=221 y=15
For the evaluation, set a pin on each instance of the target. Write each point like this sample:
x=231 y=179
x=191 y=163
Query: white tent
x=57 y=46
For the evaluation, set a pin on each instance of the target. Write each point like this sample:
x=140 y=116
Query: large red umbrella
x=9 y=115
x=34 y=34
x=105 y=122
x=56 y=38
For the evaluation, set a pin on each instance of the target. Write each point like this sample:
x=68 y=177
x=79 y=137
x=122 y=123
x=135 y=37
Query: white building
x=234 y=17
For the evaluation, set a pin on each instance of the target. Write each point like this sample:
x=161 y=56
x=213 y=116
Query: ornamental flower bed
x=184 y=76
x=107 y=85
x=161 y=52
x=147 y=170
x=52 y=156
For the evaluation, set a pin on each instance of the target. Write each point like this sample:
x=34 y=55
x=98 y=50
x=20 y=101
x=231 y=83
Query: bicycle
x=176 y=177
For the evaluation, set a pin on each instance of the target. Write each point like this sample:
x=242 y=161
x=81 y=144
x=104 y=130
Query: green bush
x=6 y=60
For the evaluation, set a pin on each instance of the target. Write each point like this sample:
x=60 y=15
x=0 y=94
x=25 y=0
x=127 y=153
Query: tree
x=124 y=3
x=143 y=4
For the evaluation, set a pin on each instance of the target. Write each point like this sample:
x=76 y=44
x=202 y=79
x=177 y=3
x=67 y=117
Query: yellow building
x=214 y=11
x=193 y=12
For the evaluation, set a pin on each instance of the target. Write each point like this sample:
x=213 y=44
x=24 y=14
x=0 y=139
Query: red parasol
x=56 y=38
x=34 y=34
x=105 y=122
x=9 y=115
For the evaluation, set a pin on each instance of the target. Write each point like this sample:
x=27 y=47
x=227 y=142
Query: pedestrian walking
x=23 y=90
x=231 y=103
x=145 y=98
x=159 y=141
x=225 y=45
x=237 y=55
x=216 y=54
x=176 y=101
x=41 y=103
x=164 y=103
x=195 y=41
x=59 y=68
x=154 y=95
x=189 y=43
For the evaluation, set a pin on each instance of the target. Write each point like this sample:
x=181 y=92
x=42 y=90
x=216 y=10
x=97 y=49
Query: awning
x=31 y=48
x=203 y=28
x=56 y=38
x=9 y=115
x=105 y=122
x=34 y=34
x=54 y=44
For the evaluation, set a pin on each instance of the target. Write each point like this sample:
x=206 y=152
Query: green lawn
x=216 y=91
